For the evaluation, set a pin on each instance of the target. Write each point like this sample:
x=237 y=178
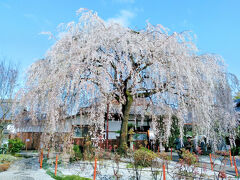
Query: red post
x=235 y=164
x=95 y=169
x=171 y=153
x=211 y=161
x=164 y=173
x=230 y=154
x=56 y=163
x=41 y=158
x=41 y=161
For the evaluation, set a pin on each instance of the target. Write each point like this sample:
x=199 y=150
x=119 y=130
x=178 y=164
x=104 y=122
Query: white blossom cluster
x=94 y=63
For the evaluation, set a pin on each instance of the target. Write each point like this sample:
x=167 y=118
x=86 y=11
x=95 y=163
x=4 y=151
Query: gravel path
x=25 y=169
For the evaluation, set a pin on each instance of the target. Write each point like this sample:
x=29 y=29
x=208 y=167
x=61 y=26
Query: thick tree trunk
x=124 y=129
x=1 y=133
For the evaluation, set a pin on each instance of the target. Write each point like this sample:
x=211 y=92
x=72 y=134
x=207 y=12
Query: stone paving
x=25 y=169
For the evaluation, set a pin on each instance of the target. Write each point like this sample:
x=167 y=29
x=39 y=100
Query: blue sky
x=216 y=23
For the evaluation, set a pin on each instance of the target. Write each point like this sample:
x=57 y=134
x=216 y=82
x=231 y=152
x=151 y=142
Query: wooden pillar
x=107 y=125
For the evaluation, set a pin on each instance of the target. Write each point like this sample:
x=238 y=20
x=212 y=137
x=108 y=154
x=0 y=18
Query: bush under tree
x=15 y=145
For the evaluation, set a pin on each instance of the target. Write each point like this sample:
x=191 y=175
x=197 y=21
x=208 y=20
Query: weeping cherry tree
x=94 y=62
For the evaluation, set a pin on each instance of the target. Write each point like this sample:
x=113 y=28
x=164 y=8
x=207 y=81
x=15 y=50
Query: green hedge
x=68 y=177
x=15 y=145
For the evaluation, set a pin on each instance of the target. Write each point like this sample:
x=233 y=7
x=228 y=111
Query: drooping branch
x=94 y=61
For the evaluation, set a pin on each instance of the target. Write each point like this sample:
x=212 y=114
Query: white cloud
x=123 y=18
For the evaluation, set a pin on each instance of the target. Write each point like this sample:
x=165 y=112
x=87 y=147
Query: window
x=80 y=131
x=238 y=105
x=139 y=137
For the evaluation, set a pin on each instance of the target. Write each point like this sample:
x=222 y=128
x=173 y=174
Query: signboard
x=27 y=140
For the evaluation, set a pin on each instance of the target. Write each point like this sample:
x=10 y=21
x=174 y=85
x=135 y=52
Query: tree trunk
x=124 y=129
x=1 y=134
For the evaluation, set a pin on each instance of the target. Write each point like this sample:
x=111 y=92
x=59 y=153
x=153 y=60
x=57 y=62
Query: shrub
x=15 y=145
x=143 y=157
x=164 y=156
x=77 y=153
x=188 y=158
x=102 y=154
x=7 y=158
x=3 y=149
x=123 y=150
x=187 y=165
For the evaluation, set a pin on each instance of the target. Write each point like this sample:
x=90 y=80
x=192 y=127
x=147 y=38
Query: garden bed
x=4 y=166
x=5 y=161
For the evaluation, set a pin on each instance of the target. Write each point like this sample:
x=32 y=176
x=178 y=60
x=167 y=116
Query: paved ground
x=25 y=169
x=28 y=169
